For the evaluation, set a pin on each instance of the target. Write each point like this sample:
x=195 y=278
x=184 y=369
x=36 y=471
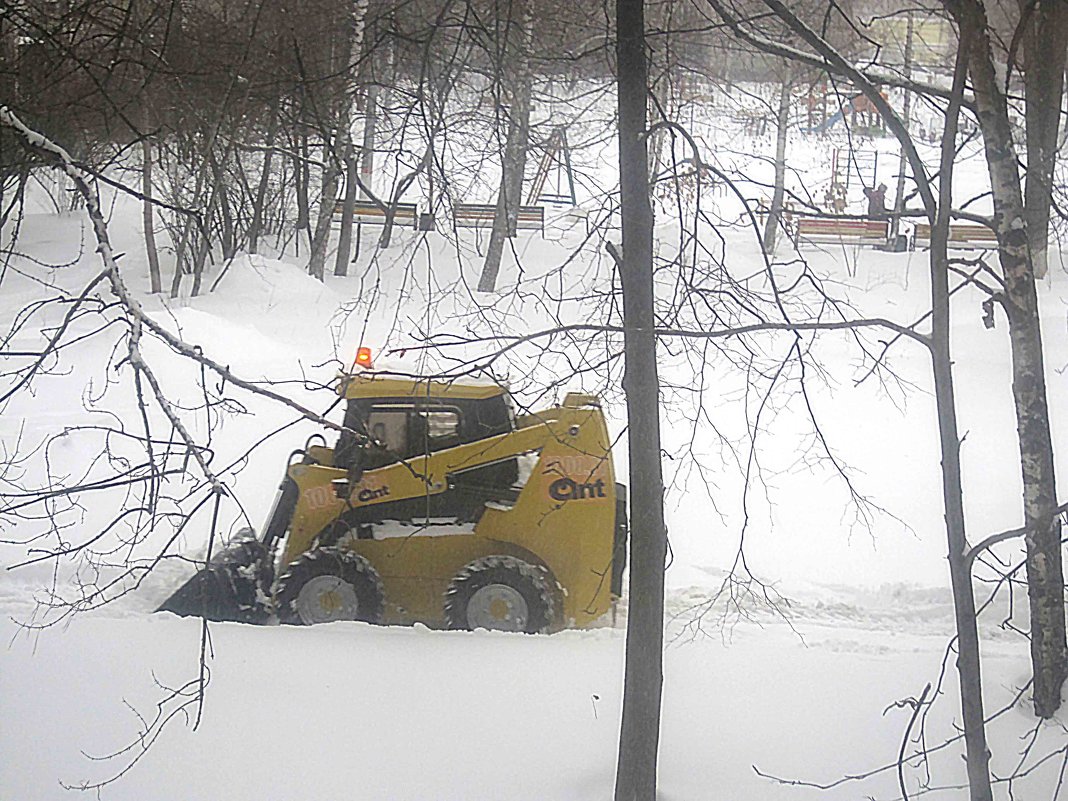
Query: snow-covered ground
x=350 y=710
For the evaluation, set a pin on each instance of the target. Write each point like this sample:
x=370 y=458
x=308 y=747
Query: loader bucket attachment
x=235 y=585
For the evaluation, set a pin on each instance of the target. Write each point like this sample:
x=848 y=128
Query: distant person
x=877 y=202
x=835 y=198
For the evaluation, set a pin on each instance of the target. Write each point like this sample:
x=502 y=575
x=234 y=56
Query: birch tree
x=1045 y=573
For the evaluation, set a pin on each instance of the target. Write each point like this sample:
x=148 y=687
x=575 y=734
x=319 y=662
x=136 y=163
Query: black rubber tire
x=364 y=585
x=532 y=582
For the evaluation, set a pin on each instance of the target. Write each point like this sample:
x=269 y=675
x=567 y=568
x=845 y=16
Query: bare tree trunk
x=302 y=176
x=899 y=191
x=148 y=216
x=968 y=659
x=977 y=754
x=1046 y=32
x=771 y=227
x=204 y=243
x=202 y=234
x=258 y=212
x=198 y=265
x=188 y=236
x=327 y=200
x=513 y=160
x=344 y=238
x=398 y=192
x=367 y=147
x=1045 y=574
x=364 y=169
x=9 y=82
x=220 y=191
x=357 y=48
x=179 y=269
x=639 y=734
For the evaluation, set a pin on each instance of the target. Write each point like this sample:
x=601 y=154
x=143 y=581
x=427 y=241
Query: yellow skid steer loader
x=444 y=508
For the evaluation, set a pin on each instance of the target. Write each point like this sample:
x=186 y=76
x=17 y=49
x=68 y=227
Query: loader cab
x=407 y=419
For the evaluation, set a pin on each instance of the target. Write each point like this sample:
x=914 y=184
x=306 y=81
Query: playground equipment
x=556 y=155
x=851 y=164
x=862 y=113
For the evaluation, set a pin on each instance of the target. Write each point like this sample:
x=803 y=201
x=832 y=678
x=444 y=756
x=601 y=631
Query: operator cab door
x=405 y=429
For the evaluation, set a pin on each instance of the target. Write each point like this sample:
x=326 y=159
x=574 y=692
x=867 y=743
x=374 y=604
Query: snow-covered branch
x=1002 y=536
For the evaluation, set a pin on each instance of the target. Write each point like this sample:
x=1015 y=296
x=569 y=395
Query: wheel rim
x=498 y=607
x=326 y=598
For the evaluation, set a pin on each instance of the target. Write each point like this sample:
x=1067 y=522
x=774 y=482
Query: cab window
x=442 y=427
x=408 y=431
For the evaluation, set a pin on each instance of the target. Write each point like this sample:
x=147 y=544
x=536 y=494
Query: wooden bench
x=962 y=236
x=364 y=212
x=844 y=231
x=481 y=215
